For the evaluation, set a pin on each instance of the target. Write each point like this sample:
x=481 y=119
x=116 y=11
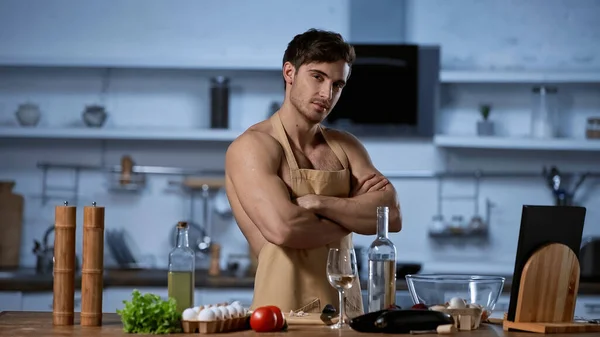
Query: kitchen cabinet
x=501 y=306
x=10 y=300
x=188 y=34
x=587 y=306
x=42 y=301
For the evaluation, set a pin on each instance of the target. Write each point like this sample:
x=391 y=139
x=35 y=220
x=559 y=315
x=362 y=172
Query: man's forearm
x=359 y=214
x=310 y=231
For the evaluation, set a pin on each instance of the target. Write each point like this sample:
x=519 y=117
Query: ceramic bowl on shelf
x=94 y=116
x=440 y=289
x=28 y=114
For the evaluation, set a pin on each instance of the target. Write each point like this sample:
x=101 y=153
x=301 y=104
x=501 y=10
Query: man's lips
x=321 y=106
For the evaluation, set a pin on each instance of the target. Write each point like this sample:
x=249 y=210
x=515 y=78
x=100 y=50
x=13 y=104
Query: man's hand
x=309 y=201
x=369 y=183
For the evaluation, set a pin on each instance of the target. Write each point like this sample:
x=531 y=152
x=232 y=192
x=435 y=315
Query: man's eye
x=318 y=77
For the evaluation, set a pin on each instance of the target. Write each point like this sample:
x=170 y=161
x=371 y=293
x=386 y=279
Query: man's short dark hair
x=316 y=45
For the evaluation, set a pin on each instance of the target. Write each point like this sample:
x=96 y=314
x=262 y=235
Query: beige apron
x=296 y=279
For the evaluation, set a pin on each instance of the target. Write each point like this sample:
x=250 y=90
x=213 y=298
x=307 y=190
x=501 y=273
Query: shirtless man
x=297 y=188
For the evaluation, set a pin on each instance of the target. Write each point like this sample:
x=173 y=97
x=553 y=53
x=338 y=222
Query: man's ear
x=289 y=71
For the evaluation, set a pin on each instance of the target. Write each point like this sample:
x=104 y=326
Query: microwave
x=392 y=91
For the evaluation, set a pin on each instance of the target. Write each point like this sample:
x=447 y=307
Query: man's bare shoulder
x=347 y=140
x=257 y=143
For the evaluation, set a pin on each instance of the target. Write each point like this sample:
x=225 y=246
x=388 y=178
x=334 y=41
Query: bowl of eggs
x=458 y=295
x=213 y=318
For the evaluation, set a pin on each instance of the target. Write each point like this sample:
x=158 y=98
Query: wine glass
x=341 y=272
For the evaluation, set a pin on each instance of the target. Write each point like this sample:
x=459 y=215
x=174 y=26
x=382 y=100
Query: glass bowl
x=439 y=289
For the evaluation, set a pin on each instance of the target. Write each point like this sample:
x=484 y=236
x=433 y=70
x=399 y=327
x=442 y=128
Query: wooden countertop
x=21 y=324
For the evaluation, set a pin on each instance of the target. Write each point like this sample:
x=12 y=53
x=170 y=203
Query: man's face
x=316 y=87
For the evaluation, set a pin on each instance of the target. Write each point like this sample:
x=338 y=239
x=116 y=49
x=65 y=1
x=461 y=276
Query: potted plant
x=485 y=127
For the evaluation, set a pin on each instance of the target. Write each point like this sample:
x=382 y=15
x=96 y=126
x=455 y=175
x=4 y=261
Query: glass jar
x=593 y=128
x=181 y=281
x=544 y=114
x=219 y=102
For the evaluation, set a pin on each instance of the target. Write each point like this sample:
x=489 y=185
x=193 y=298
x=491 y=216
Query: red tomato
x=263 y=319
x=278 y=315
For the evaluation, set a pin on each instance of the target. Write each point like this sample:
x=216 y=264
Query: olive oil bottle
x=181 y=281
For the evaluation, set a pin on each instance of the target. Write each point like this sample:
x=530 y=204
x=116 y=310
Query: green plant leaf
x=150 y=314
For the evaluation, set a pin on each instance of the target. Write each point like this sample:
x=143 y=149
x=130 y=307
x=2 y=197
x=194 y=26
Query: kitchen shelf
x=523 y=143
x=120 y=134
x=473 y=76
x=185 y=63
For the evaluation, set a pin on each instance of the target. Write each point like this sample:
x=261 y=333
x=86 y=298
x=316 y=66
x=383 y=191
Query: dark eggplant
x=400 y=321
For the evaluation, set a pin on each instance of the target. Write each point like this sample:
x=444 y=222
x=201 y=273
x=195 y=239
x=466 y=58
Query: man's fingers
x=362 y=180
x=369 y=184
x=380 y=185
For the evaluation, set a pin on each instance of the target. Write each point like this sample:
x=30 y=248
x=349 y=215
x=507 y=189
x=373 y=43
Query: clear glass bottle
x=181 y=280
x=544 y=114
x=381 y=289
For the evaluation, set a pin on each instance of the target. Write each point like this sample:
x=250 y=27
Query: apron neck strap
x=336 y=148
x=280 y=131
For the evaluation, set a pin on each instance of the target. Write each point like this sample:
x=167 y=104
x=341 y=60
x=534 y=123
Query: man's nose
x=326 y=91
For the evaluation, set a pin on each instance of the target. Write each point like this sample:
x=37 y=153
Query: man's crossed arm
x=251 y=163
x=358 y=213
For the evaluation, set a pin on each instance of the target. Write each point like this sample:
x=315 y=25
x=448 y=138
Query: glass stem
x=341 y=307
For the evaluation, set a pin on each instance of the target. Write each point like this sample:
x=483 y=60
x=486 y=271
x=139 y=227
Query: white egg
x=225 y=312
x=457 y=303
x=218 y=313
x=237 y=307
x=236 y=303
x=197 y=310
x=233 y=313
x=206 y=315
x=189 y=315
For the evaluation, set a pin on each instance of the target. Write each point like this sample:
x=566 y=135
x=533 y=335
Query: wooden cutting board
x=11 y=222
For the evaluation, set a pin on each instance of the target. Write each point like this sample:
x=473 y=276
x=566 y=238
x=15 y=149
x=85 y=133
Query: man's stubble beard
x=299 y=106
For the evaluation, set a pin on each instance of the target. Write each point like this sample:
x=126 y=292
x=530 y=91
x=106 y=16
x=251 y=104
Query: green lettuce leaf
x=150 y=314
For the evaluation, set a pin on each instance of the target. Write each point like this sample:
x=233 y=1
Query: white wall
x=471 y=36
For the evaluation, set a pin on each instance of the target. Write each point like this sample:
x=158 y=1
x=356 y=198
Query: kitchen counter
x=21 y=324
x=26 y=280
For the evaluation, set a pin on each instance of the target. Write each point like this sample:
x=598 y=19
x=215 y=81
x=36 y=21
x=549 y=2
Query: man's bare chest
x=321 y=158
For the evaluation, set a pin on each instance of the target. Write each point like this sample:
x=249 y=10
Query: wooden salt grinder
x=92 y=266
x=63 y=302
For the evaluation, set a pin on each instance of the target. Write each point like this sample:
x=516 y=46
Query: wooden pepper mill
x=215 y=257
x=93 y=265
x=63 y=302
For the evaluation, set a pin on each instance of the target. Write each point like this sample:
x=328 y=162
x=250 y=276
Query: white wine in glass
x=341 y=272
